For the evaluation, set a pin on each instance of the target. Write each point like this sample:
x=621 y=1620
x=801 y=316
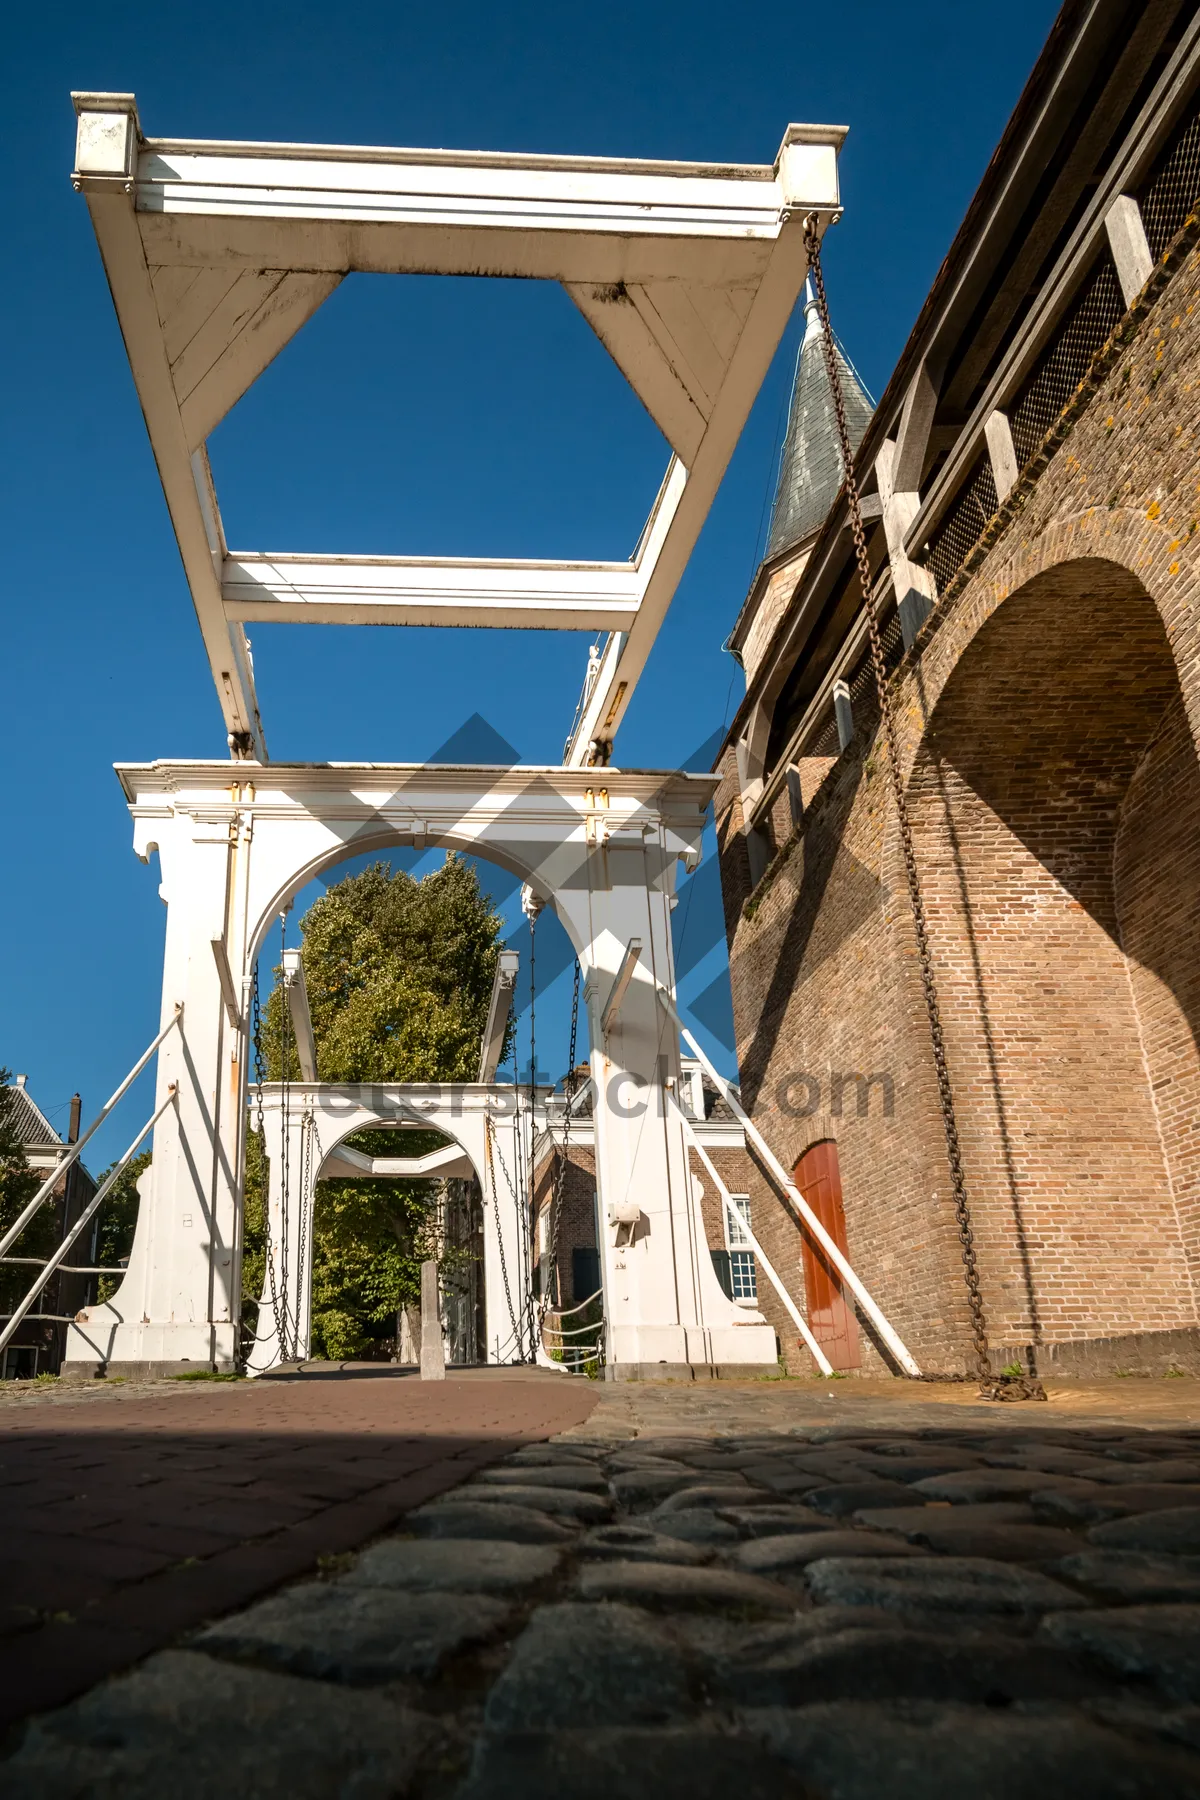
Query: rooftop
x=811 y=471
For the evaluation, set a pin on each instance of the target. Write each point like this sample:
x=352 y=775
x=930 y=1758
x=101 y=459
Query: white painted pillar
x=176 y=1304
x=664 y=1307
x=505 y=1256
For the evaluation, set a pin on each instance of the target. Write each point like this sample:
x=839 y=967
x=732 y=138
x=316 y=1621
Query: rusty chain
x=308 y=1130
x=562 y=1159
x=260 y=1066
x=287 y=1335
x=962 y=1210
x=532 y=1321
x=260 y=1072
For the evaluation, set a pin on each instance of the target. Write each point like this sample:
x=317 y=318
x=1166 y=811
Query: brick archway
x=1056 y=804
x=1160 y=555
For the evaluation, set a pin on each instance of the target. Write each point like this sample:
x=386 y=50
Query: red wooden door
x=830 y=1311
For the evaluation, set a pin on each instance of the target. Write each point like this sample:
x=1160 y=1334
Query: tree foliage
x=399 y=975
x=18 y=1184
x=41 y=1237
x=117 y=1220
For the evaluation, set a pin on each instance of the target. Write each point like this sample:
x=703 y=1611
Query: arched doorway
x=309 y=1133
x=1056 y=811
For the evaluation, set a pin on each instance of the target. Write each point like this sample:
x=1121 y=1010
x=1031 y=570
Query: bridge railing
x=59 y=1258
x=578 y=1349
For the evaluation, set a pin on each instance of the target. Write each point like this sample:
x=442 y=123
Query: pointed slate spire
x=810 y=472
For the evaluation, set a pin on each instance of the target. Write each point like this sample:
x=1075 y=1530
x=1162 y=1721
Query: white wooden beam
x=912 y=435
x=296 y=990
x=914 y=587
x=398 y=590
x=843 y=714
x=736 y=1218
x=225 y=977
x=1129 y=245
x=217 y=253
x=345 y=1164
x=620 y=986
x=237 y=341
x=1002 y=454
x=673 y=342
x=795 y=1198
x=202 y=195
x=491 y=1046
x=102 y=154
x=627 y=655
x=347 y=1161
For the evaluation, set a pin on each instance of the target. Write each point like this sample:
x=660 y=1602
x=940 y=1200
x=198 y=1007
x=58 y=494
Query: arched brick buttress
x=1055 y=799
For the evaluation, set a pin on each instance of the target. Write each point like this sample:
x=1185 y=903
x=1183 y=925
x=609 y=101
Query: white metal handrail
x=84 y=1218
x=508 y=1349
x=579 y=1354
x=36 y=1262
x=580 y=1330
x=76 y=1150
x=576 y=1358
x=564 y=1312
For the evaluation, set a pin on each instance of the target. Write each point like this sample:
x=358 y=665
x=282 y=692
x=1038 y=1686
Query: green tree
x=371 y=1237
x=18 y=1184
x=118 y=1221
x=399 y=975
x=254 y=1228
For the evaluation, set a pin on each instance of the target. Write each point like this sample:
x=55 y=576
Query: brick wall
x=1016 y=800
x=1157 y=878
x=1048 y=718
x=577 y=1220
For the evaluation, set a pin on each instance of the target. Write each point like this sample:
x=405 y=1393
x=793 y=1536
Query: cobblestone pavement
x=740 y=1591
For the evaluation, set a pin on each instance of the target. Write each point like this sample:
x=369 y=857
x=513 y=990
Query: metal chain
x=563 y=1162
x=260 y=1071
x=286 y=1336
x=532 y=1318
x=962 y=1211
x=307 y=1133
x=260 y=1066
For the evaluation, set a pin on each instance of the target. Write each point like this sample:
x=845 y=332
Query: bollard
x=433 y=1356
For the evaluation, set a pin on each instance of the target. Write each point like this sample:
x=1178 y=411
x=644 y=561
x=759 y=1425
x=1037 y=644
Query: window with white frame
x=741 y=1257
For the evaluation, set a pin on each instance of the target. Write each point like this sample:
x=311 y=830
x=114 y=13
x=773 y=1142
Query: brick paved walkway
x=128 y=1514
x=851 y=1591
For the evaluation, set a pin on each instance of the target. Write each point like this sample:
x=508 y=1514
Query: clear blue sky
x=462 y=417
